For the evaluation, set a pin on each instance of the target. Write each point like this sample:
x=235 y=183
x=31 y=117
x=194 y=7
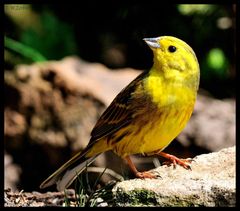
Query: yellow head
x=175 y=60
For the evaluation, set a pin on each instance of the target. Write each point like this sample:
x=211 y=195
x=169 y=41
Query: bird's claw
x=156 y=173
x=185 y=163
x=147 y=174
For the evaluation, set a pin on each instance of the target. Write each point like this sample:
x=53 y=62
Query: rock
x=58 y=102
x=211 y=182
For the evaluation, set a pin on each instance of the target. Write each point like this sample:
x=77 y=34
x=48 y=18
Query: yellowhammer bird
x=146 y=115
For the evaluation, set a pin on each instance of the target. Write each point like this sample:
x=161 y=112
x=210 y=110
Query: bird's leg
x=173 y=159
x=142 y=175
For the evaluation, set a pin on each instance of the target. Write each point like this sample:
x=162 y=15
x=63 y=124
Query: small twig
x=20 y=196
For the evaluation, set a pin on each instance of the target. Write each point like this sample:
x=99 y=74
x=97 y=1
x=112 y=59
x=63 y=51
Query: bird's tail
x=68 y=172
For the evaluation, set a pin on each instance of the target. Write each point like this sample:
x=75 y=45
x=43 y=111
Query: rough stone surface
x=211 y=182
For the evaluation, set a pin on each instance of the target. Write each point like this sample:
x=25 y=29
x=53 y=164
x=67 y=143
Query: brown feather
x=119 y=114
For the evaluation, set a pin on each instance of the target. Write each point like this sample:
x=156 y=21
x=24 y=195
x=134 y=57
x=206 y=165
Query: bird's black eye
x=172 y=48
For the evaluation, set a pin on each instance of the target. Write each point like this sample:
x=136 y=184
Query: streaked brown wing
x=119 y=113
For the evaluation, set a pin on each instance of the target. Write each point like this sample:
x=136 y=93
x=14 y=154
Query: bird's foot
x=146 y=174
x=142 y=175
x=185 y=163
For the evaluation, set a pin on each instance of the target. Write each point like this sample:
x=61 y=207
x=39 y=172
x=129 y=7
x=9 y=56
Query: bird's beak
x=152 y=42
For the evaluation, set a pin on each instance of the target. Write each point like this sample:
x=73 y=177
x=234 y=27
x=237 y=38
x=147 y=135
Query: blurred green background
x=111 y=33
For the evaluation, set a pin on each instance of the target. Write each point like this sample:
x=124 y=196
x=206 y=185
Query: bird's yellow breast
x=154 y=130
x=155 y=134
